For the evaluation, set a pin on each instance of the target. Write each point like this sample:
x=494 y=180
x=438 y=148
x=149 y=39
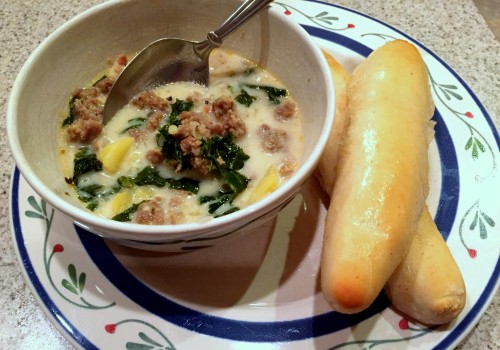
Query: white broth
x=182 y=152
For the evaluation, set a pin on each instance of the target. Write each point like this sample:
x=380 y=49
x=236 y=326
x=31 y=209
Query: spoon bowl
x=164 y=61
x=173 y=60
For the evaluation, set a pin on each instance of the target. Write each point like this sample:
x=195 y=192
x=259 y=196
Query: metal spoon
x=173 y=60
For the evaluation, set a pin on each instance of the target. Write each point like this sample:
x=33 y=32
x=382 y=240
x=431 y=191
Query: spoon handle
x=215 y=38
x=240 y=16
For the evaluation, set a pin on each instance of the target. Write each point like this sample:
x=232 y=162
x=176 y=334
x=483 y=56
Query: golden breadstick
x=428 y=285
x=381 y=177
x=327 y=166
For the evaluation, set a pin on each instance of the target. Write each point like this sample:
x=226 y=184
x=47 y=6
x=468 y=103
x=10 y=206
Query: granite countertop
x=454 y=30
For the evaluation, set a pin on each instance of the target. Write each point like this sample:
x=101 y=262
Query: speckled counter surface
x=454 y=30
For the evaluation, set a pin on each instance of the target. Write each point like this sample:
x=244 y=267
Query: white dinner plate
x=261 y=291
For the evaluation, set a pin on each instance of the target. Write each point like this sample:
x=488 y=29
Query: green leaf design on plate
x=480 y=219
x=149 y=343
x=475 y=153
x=479 y=144
x=474 y=222
x=454 y=94
x=488 y=219
x=67 y=284
x=482 y=229
x=448 y=92
x=74 y=285
x=32 y=214
x=147 y=339
x=32 y=201
x=137 y=346
x=81 y=281
x=324 y=16
x=44 y=207
x=476 y=146
x=469 y=143
x=449 y=86
x=72 y=273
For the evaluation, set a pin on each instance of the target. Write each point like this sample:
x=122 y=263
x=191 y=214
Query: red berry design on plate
x=288 y=12
x=472 y=253
x=350 y=26
x=403 y=324
x=469 y=115
x=58 y=248
x=110 y=328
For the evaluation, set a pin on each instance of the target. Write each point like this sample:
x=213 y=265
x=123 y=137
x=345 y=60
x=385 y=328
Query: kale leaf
x=228 y=158
x=223 y=155
x=71 y=115
x=273 y=94
x=92 y=193
x=134 y=123
x=125 y=215
x=229 y=211
x=88 y=193
x=185 y=184
x=170 y=146
x=245 y=99
x=85 y=161
x=216 y=201
x=171 y=149
x=225 y=195
x=126 y=182
x=177 y=108
x=150 y=176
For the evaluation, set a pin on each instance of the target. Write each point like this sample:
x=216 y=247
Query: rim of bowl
x=125 y=230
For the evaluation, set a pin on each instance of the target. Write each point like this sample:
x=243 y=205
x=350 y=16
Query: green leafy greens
x=224 y=195
x=227 y=158
x=170 y=147
x=223 y=155
x=150 y=176
x=177 y=108
x=91 y=194
x=245 y=99
x=125 y=215
x=71 y=115
x=134 y=123
x=273 y=93
x=84 y=162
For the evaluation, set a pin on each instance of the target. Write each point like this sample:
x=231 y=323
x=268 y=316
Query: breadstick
x=428 y=285
x=382 y=179
x=327 y=166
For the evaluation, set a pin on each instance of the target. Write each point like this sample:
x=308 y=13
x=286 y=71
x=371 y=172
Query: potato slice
x=266 y=185
x=121 y=202
x=143 y=193
x=112 y=154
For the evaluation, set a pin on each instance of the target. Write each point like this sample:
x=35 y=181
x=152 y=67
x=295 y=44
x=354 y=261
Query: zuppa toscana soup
x=182 y=153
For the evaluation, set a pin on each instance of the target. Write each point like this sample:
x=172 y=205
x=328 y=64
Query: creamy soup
x=182 y=152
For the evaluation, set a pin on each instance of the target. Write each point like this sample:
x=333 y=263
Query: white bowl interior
x=73 y=55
